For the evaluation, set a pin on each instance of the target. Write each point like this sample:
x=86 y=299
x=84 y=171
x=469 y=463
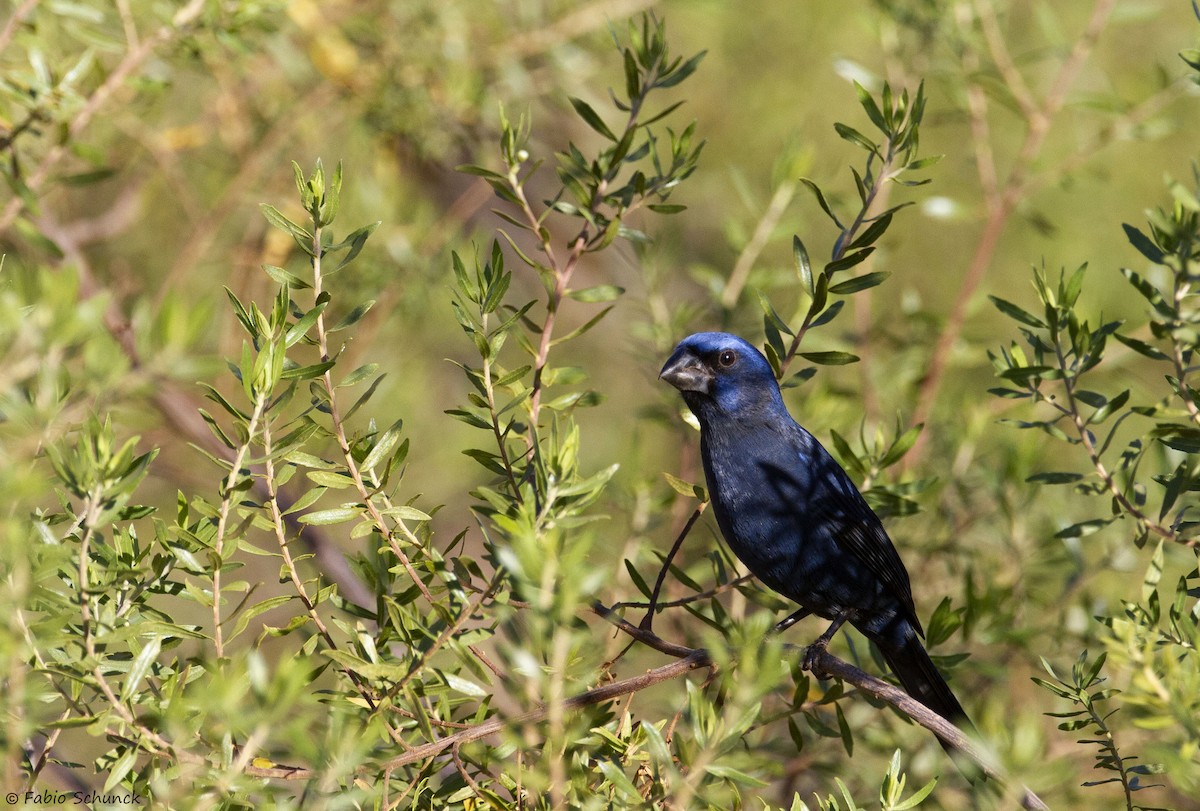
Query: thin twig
x=18 y=17
x=228 y=496
x=339 y=432
x=1000 y=205
x=648 y=620
x=132 y=61
x=758 y=241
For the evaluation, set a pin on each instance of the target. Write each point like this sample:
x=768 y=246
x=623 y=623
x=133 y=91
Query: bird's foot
x=812 y=656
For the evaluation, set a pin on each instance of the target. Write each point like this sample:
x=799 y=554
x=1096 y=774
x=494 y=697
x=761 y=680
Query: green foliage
x=246 y=565
x=1137 y=450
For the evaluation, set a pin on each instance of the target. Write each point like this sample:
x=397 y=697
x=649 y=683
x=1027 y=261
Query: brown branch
x=132 y=61
x=18 y=17
x=696 y=658
x=1000 y=205
x=827 y=663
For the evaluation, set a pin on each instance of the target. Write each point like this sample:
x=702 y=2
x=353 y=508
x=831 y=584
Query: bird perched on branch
x=792 y=515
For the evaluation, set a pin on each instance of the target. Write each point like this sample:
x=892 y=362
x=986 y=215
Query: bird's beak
x=686 y=372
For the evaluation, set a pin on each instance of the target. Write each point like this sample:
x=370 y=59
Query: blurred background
x=140 y=137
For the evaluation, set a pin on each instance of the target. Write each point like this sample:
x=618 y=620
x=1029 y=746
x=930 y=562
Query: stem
x=842 y=244
x=339 y=431
x=1085 y=437
x=758 y=241
x=562 y=273
x=1000 y=202
x=289 y=563
x=227 y=496
x=501 y=445
x=1181 y=292
x=648 y=620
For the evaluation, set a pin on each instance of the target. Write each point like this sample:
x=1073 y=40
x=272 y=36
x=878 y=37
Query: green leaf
x=276 y=218
x=575 y=333
x=358 y=375
x=863 y=282
x=901 y=446
x=1149 y=292
x=284 y=277
x=479 y=171
x=873 y=232
x=307 y=372
x=1109 y=408
x=847 y=133
x=590 y=118
x=1084 y=528
x=298 y=330
x=337 y=515
x=820 y=195
x=353 y=317
x=1055 y=477
x=771 y=315
x=733 y=775
x=601 y=292
x=803 y=266
x=685 y=488
x=140 y=667
x=356 y=240
x=406 y=513
x=830 y=358
x=1141 y=347
x=120 y=768
x=464 y=686
x=871 y=108
x=258 y=608
x=1017 y=314
x=383 y=446
x=844 y=729
x=1145 y=246
x=849 y=260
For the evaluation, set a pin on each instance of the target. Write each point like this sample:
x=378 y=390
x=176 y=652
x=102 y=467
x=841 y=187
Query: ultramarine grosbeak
x=792 y=515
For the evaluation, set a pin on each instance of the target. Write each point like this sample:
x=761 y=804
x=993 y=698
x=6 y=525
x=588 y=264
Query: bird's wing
x=857 y=530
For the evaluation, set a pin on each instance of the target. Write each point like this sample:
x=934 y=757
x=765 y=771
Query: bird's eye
x=727 y=358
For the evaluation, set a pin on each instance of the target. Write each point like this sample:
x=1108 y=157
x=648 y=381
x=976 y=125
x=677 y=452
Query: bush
x=280 y=585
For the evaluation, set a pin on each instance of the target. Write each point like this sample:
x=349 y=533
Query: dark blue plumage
x=792 y=515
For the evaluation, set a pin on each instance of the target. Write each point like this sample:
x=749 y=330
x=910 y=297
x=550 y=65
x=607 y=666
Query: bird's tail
x=921 y=678
x=905 y=654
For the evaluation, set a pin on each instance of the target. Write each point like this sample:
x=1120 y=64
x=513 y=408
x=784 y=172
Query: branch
x=181 y=411
x=18 y=17
x=132 y=61
x=695 y=658
x=826 y=663
x=1000 y=203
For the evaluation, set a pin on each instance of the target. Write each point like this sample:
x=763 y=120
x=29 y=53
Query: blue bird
x=792 y=515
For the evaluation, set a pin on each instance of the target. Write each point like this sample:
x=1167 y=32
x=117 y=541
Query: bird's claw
x=812 y=655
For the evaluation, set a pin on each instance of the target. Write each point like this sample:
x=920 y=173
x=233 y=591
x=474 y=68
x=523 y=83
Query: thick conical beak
x=686 y=372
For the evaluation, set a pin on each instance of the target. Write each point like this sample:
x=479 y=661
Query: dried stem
x=1000 y=202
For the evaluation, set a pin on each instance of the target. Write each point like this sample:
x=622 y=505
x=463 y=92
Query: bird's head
x=719 y=373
